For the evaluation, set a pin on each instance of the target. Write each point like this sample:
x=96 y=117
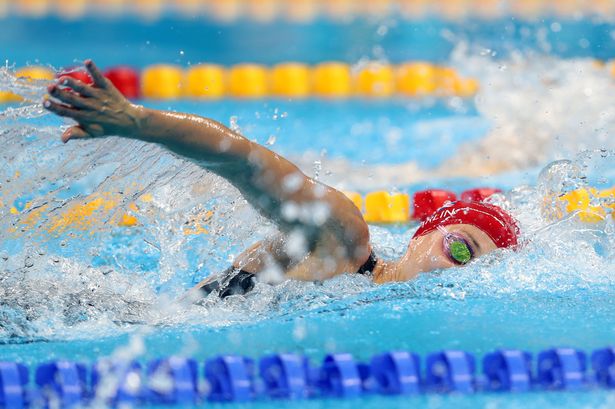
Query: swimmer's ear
x=75 y=132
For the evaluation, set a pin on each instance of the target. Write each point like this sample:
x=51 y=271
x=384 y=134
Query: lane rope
x=234 y=378
x=266 y=11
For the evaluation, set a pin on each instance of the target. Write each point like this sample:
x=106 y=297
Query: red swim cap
x=494 y=221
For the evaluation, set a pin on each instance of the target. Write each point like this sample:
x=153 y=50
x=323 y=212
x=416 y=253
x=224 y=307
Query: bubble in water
x=299 y=331
x=234 y=125
x=271 y=140
x=317 y=168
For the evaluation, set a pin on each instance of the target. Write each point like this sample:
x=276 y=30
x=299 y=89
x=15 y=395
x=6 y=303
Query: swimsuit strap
x=230 y=282
x=368 y=267
x=240 y=284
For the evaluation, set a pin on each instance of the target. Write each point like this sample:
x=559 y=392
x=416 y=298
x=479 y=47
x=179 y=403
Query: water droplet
x=383 y=30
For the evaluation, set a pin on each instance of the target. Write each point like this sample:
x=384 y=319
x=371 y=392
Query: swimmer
x=322 y=233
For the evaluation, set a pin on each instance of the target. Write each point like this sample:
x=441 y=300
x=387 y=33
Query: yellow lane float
x=375 y=80
x=263 y=11
x=382 y=207
x=248 y=81
x=414 y=9
x=110 y=7
x=450 y=83
x=128 y=220
x=162 y=82
x=225 y=11
x=148 y=9
x=446 y=80
x=601 y=7
x=33 y=8
x=489 y=9
x=529 y=9
x=416 y=79
x=451 y=9
x=300 y=11
x=291 y=80
x=589 y=205
x=376 y=8
x=332 y=80
x=71 y=9
x=205 y=81
x=34 y=73
x=189 y=8
x=338 y=9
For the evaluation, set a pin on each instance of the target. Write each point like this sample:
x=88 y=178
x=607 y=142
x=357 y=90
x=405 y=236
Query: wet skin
x=427 y=253
x=322 y=234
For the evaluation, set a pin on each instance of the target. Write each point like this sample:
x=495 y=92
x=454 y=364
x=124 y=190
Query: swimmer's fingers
x=65 y=110
x=78 y=86
x=68 y=97
x=75 y=132
x=99 y=79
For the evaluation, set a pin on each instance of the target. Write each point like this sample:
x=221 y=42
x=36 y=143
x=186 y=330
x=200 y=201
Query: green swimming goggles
x=457 y=248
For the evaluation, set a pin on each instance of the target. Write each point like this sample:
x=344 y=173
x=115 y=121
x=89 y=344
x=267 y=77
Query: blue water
x=139 y=43
x=473 y=310
x=83 y=294
x=359 y=131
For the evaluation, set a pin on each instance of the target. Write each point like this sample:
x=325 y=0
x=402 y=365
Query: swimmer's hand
x=99 y=109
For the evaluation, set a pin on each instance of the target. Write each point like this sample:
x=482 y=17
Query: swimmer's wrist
x=137 y=118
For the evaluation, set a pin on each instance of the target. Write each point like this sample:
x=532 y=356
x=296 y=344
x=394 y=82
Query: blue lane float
x=451 y=371
x=562 y=368
x=395 y=373
x=285 y=376
x=603 y=362
x=62 y=382
x=233 y=378
x=230 y=379
x=508 y=371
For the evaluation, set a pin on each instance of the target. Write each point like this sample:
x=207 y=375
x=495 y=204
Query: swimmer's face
x=445 y=247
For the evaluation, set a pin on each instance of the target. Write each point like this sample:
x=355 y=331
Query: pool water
x=78 y=286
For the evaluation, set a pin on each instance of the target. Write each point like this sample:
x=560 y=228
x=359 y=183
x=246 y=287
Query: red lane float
x=77 y=73
x=426 y=202
x=478 y=194
x=126 y=80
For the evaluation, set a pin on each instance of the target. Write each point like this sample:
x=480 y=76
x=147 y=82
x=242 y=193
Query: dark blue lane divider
x=232 y=378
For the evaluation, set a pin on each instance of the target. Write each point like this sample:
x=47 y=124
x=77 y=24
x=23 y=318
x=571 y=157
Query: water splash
x=31 y=91
x=541 y=109
x=69 y=270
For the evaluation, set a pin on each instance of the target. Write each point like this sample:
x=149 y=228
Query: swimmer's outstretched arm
x=272 y=184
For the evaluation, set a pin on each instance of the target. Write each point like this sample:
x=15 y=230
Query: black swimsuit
x=240 y=282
